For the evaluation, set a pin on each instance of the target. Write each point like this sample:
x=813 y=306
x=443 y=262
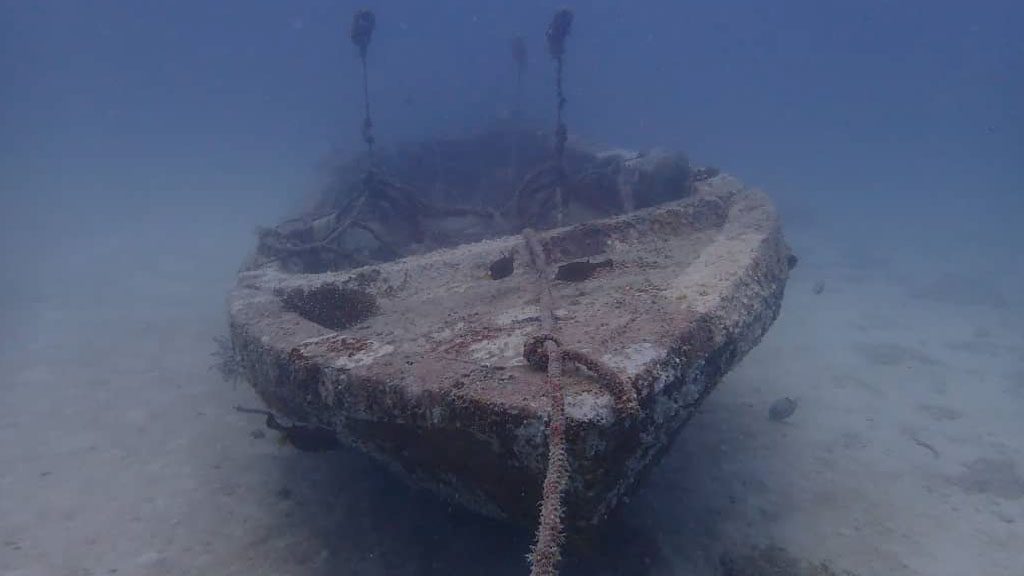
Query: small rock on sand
x=781 y=409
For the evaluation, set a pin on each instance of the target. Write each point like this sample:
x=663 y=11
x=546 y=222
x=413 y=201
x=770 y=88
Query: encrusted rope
x=548 y=547
x=536 y=356
x=544 y=352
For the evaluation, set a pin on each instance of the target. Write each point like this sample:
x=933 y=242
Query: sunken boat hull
x=423 y=367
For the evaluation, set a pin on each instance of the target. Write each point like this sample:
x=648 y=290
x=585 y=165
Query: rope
x=561 y=136
x=536 y=356
x=367 y=121
x=545 y=352
x=548 y=547
x=363 y=24
x=556 y=35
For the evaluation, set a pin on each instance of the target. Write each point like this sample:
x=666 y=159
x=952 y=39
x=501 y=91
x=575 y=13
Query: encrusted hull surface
x=426 y=372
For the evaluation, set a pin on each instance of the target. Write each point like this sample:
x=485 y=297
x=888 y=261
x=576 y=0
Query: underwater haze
x=142 y=143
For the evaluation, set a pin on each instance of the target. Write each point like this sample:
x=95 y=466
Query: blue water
x=142 y=141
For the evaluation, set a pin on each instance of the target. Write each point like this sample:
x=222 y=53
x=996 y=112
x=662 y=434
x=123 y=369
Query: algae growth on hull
x=440 y=363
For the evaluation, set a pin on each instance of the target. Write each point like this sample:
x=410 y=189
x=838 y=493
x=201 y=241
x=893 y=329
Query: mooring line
x=547 y=549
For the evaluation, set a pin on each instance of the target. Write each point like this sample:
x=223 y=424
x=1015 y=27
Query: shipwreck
x=512 y=317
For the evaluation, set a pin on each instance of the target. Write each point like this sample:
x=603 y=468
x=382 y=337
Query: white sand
x=120 y=452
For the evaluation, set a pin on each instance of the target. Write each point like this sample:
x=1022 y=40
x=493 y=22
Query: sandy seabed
x=121 y=454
